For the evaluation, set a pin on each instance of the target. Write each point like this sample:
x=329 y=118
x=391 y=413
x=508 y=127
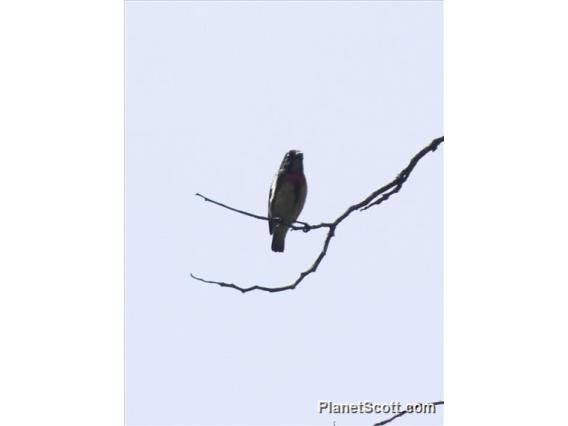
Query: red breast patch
x=295 y=178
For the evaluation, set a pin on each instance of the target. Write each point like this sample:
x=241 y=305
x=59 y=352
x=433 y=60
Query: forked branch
x=374 y=199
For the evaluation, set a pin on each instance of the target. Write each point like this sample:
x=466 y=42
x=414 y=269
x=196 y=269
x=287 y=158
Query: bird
x=286 y=197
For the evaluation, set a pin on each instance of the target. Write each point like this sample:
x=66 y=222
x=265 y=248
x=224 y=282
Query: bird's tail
x=278 y=238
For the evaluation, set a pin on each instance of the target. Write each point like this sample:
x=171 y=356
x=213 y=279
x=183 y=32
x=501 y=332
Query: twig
x=402 y=413
x=303 y=226
x=292 y=286
x=382 y=193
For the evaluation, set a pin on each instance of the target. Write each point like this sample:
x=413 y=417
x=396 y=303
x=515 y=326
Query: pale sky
x=216 y=93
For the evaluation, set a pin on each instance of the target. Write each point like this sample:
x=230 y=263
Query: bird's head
x=293 y=161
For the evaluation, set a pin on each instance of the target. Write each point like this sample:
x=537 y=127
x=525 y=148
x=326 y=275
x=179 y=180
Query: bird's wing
x=272 y=196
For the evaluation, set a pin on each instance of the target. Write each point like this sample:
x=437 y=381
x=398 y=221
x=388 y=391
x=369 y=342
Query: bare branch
x=303 y=226
x=292 y=286
x=403 y=175
x=402 y=413
x=382 y=193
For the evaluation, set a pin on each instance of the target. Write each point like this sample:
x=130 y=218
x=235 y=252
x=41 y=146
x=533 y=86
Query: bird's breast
x=290 y=198
x=295 y=179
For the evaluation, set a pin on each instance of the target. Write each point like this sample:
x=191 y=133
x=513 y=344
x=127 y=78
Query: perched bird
x=287 y=196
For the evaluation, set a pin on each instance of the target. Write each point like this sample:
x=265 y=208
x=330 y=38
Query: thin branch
x=402 y=413
x=292 y=286
x=382 y=193
x=256 y=216
x=403 y=175
x=303 y=226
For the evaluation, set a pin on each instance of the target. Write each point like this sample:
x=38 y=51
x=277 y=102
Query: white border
x=61 y=178
x=505 y=152
x=61 y=215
